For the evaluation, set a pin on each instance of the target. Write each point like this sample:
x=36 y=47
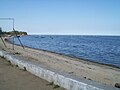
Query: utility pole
x=2 y=38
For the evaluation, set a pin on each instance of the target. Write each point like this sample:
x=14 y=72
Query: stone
x=117 y=85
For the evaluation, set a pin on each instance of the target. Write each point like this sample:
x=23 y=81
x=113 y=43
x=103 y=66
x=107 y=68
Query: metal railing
x=13 y=22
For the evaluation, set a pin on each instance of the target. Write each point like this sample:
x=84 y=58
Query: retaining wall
x=59 y=78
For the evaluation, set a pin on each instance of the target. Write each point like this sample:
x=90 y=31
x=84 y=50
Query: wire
x=3 y=41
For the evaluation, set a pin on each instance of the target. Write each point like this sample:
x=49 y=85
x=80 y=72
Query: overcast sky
x=78 y=17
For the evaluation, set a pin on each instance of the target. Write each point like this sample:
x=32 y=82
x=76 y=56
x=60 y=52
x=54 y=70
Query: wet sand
x=12 y=78
x=73 y=66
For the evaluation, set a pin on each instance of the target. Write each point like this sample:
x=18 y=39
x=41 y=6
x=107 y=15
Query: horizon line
x=75 y=34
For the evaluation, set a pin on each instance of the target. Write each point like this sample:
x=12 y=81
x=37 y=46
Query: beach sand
x=73 y=66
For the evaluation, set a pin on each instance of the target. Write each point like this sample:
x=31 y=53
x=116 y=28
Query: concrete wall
x=60 y=79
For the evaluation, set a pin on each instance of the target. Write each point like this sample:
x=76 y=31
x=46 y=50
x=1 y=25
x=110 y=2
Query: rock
x=117 y=85
x=89 y=79
x=84 y=77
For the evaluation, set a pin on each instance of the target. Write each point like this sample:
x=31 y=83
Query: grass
x=16 y=53
x=2 y=57
x=16 y=65
x=24 y=69
x=9 y=63
x=54 y=86
x=51 y=83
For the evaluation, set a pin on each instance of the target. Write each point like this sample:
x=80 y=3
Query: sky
x=62 y=17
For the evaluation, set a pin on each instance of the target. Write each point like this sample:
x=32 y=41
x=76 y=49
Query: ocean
x=101 y=49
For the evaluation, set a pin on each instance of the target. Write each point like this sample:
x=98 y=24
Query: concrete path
x=12 y=78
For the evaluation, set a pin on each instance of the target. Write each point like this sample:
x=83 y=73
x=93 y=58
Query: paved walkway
x=12 y=78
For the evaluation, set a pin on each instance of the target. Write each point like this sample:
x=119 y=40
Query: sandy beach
x=73 y=66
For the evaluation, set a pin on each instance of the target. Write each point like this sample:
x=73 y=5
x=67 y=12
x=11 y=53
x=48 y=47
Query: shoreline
x=74 y=57
x=71 y=56
x=78 y=67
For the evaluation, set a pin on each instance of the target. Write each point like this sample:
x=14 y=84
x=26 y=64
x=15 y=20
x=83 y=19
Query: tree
x=0 y=30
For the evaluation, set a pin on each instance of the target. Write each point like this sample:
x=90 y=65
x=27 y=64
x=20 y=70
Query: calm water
x=103 y=49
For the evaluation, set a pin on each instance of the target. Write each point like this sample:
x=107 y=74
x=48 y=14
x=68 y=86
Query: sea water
x=102 y=49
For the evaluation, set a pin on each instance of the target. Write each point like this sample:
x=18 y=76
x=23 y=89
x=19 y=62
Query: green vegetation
x=2 y=57
x=11 y=33
x=14 y=32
